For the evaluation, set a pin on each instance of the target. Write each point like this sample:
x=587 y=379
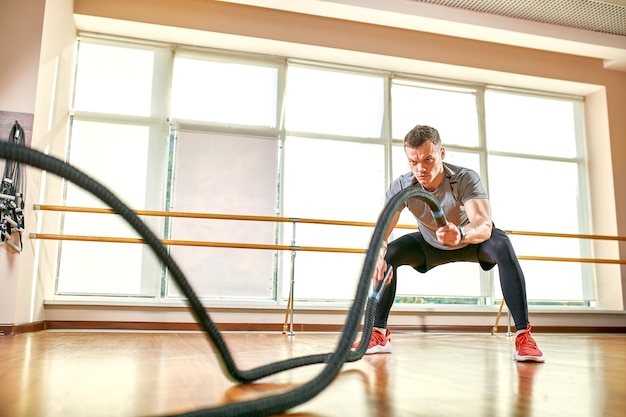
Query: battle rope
x=273 y=404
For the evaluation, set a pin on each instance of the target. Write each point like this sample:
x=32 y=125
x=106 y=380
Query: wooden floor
x=72 y=374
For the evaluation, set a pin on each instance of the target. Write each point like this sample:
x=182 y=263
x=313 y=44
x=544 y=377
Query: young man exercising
x=469 y=236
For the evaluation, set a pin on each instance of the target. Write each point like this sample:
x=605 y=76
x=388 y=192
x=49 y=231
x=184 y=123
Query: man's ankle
x=381 y=330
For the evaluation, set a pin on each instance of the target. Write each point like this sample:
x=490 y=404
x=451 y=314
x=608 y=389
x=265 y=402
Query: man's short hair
x=421 y=134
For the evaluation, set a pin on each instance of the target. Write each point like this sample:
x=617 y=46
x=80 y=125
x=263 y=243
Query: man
x=469 y=236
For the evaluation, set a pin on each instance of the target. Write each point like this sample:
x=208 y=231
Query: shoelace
x=376 y=339
x=526 y=340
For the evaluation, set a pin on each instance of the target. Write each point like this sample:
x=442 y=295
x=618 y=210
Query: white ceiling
x=591 y=28
x=604 y=16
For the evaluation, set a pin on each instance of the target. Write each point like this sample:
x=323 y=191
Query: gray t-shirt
x=459 y=185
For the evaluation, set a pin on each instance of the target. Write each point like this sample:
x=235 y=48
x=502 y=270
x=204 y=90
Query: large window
x=453 y=111
x=118 y=129
x=218 y=90
x=224 y=173
x=333 y=102
x=537 y=183
x=230 y=175
x=334 y=168
x=214 y=132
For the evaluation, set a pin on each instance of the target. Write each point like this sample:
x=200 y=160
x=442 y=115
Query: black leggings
x=413 y=250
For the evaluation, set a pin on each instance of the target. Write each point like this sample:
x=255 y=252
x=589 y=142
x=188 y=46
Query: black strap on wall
x=12 y=196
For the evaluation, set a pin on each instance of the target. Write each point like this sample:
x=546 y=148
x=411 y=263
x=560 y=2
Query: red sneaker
x=379 y=343
x=526 y=349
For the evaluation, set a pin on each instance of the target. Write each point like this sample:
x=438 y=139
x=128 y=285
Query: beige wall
x=616 y=103
x=223 y=25
x=40 y=35
x=20 y=31
x=50 y=131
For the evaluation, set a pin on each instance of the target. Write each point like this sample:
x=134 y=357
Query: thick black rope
x=273 y=404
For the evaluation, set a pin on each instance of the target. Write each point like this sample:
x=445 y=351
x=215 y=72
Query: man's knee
x=404 y=251
x=392 y=252
x=499 y=244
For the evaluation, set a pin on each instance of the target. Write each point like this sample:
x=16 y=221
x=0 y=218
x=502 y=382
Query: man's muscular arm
x=476 y=231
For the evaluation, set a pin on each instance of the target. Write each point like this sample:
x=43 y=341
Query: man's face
x=426 y=163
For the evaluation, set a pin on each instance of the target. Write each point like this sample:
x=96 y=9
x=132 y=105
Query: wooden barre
x=214 y=216
x=232 y=245
x=566 y=235
x=582 y=260
x=194 y=215
x=197 y=243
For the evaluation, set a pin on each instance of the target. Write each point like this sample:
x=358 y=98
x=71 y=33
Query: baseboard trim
x=36 y=326
x=7 y=329
x=13 y=329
